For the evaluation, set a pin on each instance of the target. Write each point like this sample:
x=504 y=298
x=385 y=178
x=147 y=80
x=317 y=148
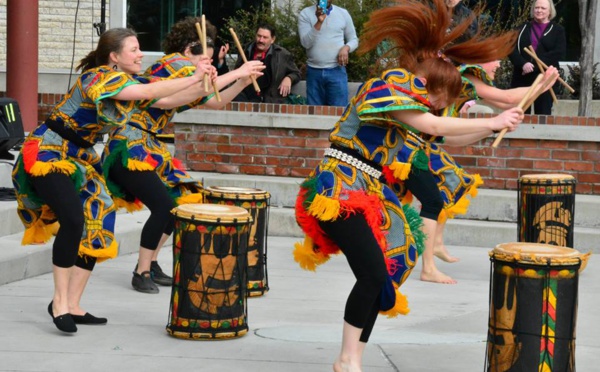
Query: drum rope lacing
x=350 y=160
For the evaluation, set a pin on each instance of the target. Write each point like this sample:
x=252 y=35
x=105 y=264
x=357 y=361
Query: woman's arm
x=447 y=126
x=159 y=89
x=193 y=93
x=507 y=98
x=228 y=94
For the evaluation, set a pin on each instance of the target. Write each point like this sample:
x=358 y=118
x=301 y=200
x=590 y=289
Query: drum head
x=210 y=212
x=232 y=192
x=548 y=177
x=535 y=253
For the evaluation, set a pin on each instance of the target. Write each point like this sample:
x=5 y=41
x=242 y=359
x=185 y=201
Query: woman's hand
x=528 y=68
x=508 y=119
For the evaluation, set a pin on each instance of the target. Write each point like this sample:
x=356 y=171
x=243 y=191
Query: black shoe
x=63 y=322
x=88 y=319
x=143 y=282
x=158 y=276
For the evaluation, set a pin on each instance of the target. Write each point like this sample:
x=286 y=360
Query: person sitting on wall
x=280 y=74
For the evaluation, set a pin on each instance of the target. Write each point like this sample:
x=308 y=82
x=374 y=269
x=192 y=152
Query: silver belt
x=362 y=166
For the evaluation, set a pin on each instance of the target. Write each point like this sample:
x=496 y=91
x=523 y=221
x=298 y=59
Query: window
x=152 y=19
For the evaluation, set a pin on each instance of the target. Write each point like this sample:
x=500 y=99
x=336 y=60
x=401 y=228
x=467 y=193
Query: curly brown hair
x=183 y=34
x=425 y=41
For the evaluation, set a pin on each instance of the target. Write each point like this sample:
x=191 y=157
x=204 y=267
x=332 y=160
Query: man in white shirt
x=328 y=35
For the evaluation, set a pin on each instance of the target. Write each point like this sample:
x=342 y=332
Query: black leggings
x=423 y=186
x=355 y=238
x=150 y=190
x=55 y=189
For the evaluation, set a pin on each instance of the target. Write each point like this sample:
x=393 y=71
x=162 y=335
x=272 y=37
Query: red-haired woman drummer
x=343 y=205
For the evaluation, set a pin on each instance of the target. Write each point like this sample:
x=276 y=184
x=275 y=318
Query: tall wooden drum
x=546 y=209
x=256 y=202
x=533 y=308
x=208 y=297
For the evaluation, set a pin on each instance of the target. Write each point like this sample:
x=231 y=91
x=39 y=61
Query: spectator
x=550 y=44
x=329 y=37
x=281 y=72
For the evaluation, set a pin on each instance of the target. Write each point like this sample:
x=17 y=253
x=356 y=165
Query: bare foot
x=441 y=252
x=437 y=277
x=340 y=366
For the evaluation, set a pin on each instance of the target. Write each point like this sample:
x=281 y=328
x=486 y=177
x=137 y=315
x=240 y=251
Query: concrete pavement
x=296 y=326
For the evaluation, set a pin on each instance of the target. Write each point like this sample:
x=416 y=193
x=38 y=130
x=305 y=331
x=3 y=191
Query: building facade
x=67 y=32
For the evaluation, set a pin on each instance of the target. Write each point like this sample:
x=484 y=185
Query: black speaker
x=11 y=127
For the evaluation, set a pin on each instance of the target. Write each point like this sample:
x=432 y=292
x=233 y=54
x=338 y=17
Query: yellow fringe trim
x=129 y=207
x=54 y=228
x=459 y=207
x=401 y=170
x=478 y=182
x=37 y=233
x=41 y=168
x=400 y=308
x=101 y=254
x=136 y=165
x=195 y=198
x=306 y=256
x=324 y=209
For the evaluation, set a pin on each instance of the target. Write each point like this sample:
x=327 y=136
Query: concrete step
x=460 y=232
x=19 y=262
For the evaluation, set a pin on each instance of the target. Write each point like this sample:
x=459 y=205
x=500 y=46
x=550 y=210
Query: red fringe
x=357 y=202
x=30 y=152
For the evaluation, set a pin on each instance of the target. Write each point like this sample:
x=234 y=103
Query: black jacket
x=280 y=64
x=551 y=49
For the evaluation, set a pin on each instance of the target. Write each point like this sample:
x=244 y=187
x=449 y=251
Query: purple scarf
x=537 y=31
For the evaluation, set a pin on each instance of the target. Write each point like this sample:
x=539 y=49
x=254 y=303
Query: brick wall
x=57 y=25
x=275 y=150
x=264 y=150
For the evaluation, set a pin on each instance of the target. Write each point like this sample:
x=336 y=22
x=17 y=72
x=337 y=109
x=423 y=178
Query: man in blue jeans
x=329 y=36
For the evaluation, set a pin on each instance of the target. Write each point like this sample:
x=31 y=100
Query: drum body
x=546 y=209
x=533 y=308
x=208 y=296
x=256 y=202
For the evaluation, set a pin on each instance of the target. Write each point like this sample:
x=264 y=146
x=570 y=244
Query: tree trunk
x=587 y=24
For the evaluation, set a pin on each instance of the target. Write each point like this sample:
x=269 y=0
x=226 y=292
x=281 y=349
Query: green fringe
x=311 y=186
x=77 y=178
x=415 y=222
x=119 y=152
x=421 y=160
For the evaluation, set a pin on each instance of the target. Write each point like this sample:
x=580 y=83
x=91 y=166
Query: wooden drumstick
x=543 y=70
x=534 y=56
x=203 y=41
x=523 y=104
x=243 y=55
x=202 y=37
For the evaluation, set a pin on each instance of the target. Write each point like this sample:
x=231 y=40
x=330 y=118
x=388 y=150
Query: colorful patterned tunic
x=137 y=147
x=422 y=152
x=335 y=188
x=86 y=112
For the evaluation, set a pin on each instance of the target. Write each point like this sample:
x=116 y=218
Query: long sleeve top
x=322 y=46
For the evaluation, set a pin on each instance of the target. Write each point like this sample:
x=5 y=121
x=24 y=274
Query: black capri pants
x=54 y=189
x=355 y=239
x=150 y=190
x=423 y=186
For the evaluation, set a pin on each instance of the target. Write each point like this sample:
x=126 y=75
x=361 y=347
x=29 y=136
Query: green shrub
x=574 y=80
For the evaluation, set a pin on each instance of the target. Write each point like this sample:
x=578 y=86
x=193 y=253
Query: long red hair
x=424 y=41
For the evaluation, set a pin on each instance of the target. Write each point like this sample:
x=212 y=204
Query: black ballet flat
x=88 y=319
x=63 y=322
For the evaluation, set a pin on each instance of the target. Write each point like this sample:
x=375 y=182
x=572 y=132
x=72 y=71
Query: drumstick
x=243 y=55
x=543 y=70
x=546 y=66
x=202 y=38
x=523 y=104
